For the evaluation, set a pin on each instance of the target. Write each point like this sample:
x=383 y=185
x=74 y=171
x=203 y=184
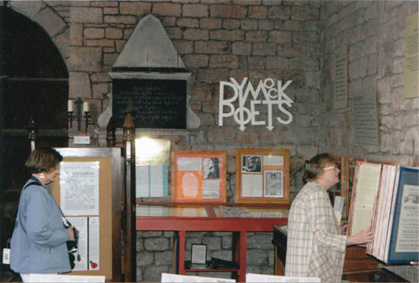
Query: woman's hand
x=71 y=232
x=343 y=228
x=362 y=237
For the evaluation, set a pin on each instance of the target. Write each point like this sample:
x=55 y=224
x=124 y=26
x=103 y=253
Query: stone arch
x=33 y=83
x=46 y=17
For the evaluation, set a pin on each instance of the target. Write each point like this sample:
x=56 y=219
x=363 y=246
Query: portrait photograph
x=252 y=163
x=273 y=184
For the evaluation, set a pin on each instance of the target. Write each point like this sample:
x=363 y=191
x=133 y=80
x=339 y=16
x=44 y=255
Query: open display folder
x=386 y=199
x=167 y=277
x=63 y=278
x=395 y=219
x=259 y=278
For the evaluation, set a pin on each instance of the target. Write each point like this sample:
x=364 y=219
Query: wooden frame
x=262 y=176
x=110 y=182
x=199 y=176
x=349 y=182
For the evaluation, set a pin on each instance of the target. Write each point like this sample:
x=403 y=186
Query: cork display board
x=199 y=176
x=86 y=191
x=262 y=176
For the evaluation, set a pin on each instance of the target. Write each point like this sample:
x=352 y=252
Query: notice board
x=155 y=103
x=88 y=191
x=262 y=175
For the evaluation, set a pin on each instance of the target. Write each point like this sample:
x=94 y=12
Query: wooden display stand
x=109 y=200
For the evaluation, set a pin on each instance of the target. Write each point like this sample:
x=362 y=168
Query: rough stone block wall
x=222 y=39
x=373 y=31
x=155 y=253
x=217 y=40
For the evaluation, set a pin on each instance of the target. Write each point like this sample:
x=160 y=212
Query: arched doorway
x=33 y=82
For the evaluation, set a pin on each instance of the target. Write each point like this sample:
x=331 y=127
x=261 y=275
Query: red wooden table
x=261 y=219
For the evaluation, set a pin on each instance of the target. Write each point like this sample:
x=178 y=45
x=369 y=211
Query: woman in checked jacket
x=315 y=245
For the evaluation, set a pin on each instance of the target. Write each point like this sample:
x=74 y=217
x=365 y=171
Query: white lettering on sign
x=273 y=98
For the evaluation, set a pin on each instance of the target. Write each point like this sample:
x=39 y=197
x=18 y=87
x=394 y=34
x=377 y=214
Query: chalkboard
x=156 y=103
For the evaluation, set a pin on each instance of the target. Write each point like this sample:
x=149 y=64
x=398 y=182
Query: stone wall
x=222 y=39
x=373 y=31
x=217 y=40
x=155 y=252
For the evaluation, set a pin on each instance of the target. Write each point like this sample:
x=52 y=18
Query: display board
x=87 y=190
x=152 y=161
x=262 y=176
x=155 y=103
x=199 y=176
x=395 y=221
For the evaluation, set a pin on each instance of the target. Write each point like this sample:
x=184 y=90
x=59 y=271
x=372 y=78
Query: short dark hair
x=314 y=167
x=43 y=159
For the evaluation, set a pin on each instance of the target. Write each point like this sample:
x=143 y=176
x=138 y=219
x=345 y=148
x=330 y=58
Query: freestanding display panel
x=88 y=190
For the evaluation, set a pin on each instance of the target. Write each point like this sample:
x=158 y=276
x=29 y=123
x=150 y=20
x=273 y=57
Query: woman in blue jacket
x=39 y=238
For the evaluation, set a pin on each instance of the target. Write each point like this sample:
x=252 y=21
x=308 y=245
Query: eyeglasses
x=329 y=168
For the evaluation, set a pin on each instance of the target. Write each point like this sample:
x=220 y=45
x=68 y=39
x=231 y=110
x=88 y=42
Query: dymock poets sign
x=268 y=97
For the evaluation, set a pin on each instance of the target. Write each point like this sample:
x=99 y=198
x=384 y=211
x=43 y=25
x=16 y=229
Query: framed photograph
x=262 y=176
x=199 y=176
x=199 y=254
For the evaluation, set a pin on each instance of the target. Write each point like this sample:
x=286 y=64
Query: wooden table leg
x=181 y=263
x=240 y=253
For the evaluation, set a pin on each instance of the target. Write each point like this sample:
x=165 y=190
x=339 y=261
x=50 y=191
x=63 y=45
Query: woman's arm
x=322 y=222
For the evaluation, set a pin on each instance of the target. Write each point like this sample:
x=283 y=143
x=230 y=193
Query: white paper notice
x=252 y=185
x=366 y=191
x=408 y=229
x=157 y=180
x=80 y=223
x=142 y=181
x=151 y=180
x=189 y=163
x=35 y=277
x=166 y=277
x=79 y=188
x=273 y=160
x=94 y=243
x=250 y=277
x=189 y=185
x=211 y=189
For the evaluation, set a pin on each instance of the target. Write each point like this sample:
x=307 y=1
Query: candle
x=85 y=106
x=70 y=106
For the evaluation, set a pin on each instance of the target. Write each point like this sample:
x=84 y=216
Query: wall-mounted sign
x=266 y=102
x=157 y=103
x=411 y=57
x=341 y=78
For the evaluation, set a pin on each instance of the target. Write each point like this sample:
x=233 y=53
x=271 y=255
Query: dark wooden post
x=110 y=133
x=130 y=231
x=32 y=132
